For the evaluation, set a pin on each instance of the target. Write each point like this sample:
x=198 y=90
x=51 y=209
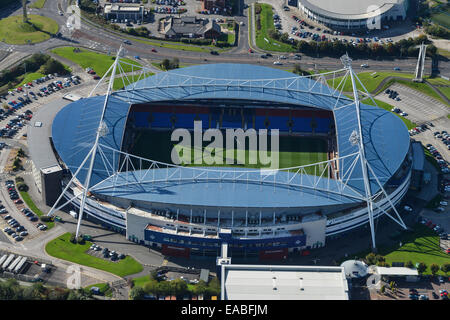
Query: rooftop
x=38 y=136
x=361 y=9
x=275 y=282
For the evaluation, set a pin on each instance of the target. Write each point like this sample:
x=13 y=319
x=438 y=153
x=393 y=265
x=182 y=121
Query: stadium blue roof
x=385 y=136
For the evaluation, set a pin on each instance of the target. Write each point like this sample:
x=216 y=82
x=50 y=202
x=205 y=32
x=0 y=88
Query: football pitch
x=294 y=151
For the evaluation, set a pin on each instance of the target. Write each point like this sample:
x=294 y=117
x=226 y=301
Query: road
x=102 y=40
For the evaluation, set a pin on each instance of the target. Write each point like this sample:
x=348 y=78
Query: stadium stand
x=161 y=120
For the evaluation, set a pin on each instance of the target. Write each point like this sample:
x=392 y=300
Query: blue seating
x=185 y=120
x=141 y=119
x=215 y=119
x=248 y=119
x=301 y=125
x=204 y=118
x=231 y=121
x=280 y=123
x=260 y=122
x=161 y=120
x=323 y=125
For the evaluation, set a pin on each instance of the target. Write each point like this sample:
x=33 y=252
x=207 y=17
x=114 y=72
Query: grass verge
x=39 y=4
x=30 y=203
x=419 y=245
x=39 y=28
x=29 y=77
x=90 y=59
x=371 y=80
x=263 y=41
x=104 y=289
x=62 y=248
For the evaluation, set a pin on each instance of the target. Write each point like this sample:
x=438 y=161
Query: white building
x=351 y=14
x=275 y=282
x=124 y=11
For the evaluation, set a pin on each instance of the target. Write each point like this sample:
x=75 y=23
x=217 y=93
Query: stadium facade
x=188 y=210
x=350 y=14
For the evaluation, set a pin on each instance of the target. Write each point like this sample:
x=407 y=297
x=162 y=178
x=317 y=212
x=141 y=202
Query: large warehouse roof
x=269 y=282
x=350 y=9
x=385 y=136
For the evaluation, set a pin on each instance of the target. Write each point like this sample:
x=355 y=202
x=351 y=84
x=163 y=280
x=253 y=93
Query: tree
x=175 y=63
x=137 y=293
x=421 y=267
x=165 y=64
x=303 y=46
x=178 y=287
x=409 y=264
x=392 y=285
x=73 y=238
x=52 y=66
x=151 y=286
x=371 y=259
x=434 y=269
x=200 y=288
x=163 y=288
x=214 y=287
x=383 y=289
x=297 y=69
x=445 y=268
x=24 y=11
x=21 y=153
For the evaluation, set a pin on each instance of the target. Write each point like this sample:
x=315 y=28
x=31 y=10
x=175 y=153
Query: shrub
x=73 y=238
x=445 y=268
x=45 y=218
x=421 y=267
x=81 y=240
x=137 y=293
x=434 y=269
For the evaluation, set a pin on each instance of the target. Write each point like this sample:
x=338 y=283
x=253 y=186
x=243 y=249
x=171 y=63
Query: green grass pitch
x=293 y=150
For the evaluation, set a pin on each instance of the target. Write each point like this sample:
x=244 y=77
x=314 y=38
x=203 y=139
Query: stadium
x=342 y=163
x=349 y=14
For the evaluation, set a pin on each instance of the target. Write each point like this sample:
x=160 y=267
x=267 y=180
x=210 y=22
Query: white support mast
x=92 y=152
x=100 y=130
x=356 y=138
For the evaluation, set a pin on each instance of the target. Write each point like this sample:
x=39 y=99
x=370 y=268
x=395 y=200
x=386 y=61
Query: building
x=189 y=27
x=275 y=282
x=124 y=11
x=46 y=170
x=194 y=211
x=350 y=14
x=418 y=166
x=394 y=273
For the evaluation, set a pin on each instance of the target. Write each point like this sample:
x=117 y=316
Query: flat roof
x=275 y=282
x=351 y=9
x=396 y=271
x=122 y=8
x=38 y=136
